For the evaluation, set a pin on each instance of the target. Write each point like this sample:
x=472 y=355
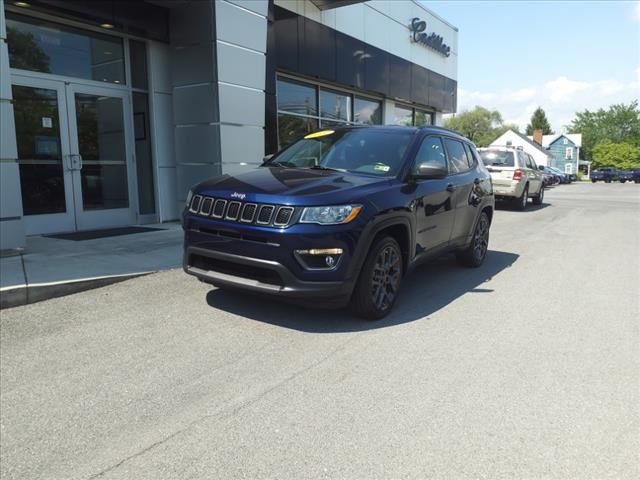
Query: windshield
x=497 y=157
x=363 y=150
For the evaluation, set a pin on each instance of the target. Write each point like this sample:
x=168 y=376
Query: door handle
x=450 y=188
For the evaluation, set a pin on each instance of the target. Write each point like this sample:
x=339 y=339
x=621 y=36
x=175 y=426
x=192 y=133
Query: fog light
x=319 y=258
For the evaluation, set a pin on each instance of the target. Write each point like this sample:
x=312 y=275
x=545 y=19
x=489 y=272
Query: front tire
x=379 y=281
x=473 y=256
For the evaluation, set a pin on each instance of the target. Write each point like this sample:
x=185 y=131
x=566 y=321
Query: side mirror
x=266 y=158
x=541 y=167
x=427 y=171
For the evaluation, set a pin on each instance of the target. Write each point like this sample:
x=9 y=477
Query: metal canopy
x=329 y=4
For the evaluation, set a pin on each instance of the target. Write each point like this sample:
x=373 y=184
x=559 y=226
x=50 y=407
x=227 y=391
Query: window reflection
x=403 y=116
x=43 y=46
x=334 y=105
x=35 y=112
x=367 y=111
x=297 y=98
x=102 y=147
x=292 y=128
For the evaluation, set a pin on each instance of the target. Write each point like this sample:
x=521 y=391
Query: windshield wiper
x=275 y=163
x=322 y=167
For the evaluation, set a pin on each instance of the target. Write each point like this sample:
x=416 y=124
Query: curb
x=37 y=292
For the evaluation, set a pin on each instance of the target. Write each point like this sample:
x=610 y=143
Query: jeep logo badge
x=241 y=196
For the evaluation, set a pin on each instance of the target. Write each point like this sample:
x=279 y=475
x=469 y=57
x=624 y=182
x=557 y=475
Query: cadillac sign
x=433 y=40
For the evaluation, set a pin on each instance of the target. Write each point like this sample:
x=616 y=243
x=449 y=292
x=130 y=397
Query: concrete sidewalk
x=50 y=267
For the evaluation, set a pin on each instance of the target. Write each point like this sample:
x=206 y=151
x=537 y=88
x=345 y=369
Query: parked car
x=514 y=174
x=341 y=215
x=564 y=177
x=632 y=175
x=606 y=174
x=548 y=171
x=549 y=179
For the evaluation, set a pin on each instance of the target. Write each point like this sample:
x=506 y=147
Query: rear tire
x=593 y=180
x=473 y=256
x=521 y=201
x=379 y=281
x=538 y=199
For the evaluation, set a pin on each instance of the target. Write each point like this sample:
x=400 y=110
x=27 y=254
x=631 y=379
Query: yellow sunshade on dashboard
x=321 y=133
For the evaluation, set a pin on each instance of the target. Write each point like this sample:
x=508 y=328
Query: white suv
x=514 y=175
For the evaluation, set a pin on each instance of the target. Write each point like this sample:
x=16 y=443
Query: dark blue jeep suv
x=341 y=215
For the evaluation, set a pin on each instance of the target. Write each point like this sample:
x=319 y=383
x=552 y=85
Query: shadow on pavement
x=508 y=206
x=427 y=289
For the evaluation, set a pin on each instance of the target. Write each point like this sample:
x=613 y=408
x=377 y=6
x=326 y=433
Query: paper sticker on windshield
x=381 y=168
x=321 y=133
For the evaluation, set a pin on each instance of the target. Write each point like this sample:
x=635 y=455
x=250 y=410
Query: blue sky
x=562 y=55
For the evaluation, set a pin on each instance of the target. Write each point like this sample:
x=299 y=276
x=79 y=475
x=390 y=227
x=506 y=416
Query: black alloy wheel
x=379 y=281
x=474 y=255
x=386 y=278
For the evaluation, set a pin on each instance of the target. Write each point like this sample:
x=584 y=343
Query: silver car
x=514 y=174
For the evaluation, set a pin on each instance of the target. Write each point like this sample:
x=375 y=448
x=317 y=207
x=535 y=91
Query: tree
x=480 y=125
x=539 y=122
x=620 y=123
x=619 y=155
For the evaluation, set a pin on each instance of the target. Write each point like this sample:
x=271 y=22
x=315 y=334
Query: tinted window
x=42 y=46
x=432 y=153
x=470 y=156
x=457 y=156
x=367 y=111
x=403 y=116
x=499 y=158
x=335 y=105
x=358 y=150
x=297 y=98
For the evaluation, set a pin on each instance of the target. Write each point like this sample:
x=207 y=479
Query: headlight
x=332 y=215
x=189 y=197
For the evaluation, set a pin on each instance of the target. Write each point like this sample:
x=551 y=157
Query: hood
x=291 y=186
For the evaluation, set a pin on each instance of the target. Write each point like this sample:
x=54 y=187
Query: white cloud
x=560 y=97
x=636 y=11
x=562 y=89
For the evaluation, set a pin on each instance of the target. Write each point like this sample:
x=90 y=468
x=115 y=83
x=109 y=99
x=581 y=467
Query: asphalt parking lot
x=525 y=368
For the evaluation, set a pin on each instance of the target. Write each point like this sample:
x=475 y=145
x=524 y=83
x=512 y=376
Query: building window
x=42 y=46
x=408 y=116
x=565 y=141
x=304 y=107
x=568 y=153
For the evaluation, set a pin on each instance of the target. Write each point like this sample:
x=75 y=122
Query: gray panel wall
x=241 y=34
x=11 y=225
x=195 y=94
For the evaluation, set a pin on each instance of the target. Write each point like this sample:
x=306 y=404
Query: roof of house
x=530 y=142
x=547 y=140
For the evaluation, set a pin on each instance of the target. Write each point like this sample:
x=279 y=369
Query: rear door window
x=457 y=156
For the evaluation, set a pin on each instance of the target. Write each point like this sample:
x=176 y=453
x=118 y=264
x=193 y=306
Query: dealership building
x=110 y=110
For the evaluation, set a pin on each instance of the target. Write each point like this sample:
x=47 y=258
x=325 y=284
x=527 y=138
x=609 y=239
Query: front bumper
x=262 y=259
x=262 y=276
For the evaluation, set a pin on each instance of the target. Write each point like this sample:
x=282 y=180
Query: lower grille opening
x=263 y=275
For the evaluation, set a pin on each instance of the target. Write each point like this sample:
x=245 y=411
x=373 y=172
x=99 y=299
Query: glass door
x=100 y=139
x=43 y=154
x=74 y=154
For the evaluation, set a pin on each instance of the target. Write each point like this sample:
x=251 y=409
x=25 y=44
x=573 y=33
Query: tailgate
x=501 y=175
